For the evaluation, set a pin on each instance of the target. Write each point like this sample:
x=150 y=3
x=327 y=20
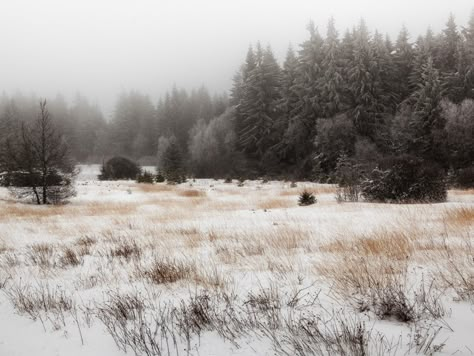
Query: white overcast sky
x=103 y=47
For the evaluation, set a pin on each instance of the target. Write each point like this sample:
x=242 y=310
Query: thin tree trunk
x=38 y=201
x=45 y=197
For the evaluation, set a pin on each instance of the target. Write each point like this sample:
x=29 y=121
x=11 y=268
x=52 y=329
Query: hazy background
x=103 y=47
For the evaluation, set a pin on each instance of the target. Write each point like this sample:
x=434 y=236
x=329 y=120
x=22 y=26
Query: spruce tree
x=363 y=83
x=466 y=63
x=331 y=81
x=301 y=129
x=403 y=59
x=258 y=107
x=288 y=102
x=172 y=166
x=426 y=119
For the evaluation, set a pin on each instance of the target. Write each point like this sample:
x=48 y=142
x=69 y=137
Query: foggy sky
x=103 y=47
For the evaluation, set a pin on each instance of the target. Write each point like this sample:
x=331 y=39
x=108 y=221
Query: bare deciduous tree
x=39 y=162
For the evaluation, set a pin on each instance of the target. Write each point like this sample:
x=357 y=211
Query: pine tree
x=364 y=84
x=449 y=57
x=403 y=59
x=466 y=62
x=330 y=82
x=384 y=74
x=288 y=102
x=258 y=107
x=423 y=50
x=172 y=165
x=449 y=47
x=426 y=119
x=241 y=79
x=301 y=128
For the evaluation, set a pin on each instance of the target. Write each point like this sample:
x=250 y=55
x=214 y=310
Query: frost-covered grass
x=213 y=268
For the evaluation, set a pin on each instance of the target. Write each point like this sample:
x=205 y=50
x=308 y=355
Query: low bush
x=119 y=168
x=405 y=179
x=306 y=198
x=145 y=177
x=159 y=178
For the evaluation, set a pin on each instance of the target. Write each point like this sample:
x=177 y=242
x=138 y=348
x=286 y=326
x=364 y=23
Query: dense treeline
x=357 y=97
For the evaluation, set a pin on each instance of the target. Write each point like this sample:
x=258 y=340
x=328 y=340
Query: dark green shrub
x=119 y=168
x=145 y=177
x=159 y=178
x=405 y=179
x=306 y=198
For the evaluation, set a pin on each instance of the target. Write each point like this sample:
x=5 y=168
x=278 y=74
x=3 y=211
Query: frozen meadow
x=214 y=268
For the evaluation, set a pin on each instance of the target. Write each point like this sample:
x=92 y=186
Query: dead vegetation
x=42 y=255
x=165 y=271
x=41 y=302
x=461 y=216
x=191 y=193
x=181 y=259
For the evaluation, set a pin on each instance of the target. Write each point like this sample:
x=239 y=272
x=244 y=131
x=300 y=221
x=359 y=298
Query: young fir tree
x=172 y=165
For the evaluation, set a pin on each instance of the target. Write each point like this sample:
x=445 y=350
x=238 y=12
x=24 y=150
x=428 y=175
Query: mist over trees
x=357 y=94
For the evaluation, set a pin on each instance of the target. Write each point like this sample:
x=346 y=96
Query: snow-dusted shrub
x=348 y=177
x=405 y=179
x=119 y=168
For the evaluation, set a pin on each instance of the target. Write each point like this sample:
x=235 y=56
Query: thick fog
x=102 y=47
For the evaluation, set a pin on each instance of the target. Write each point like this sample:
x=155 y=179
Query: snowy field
x=213 y=268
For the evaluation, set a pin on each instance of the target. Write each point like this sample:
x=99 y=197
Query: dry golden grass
x=459 y=216
x=191 y=193
x=16 y=210
x=3 y=247
x=395 y=245
x=110 y=208
x=10 y=211
x=275 y=203
x=289 y=192
x=325 y=189
x=285 y=238
x=461 y=191
x=155 y=188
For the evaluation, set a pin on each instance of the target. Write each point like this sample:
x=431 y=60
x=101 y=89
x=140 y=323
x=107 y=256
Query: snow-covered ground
x=213 y=268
